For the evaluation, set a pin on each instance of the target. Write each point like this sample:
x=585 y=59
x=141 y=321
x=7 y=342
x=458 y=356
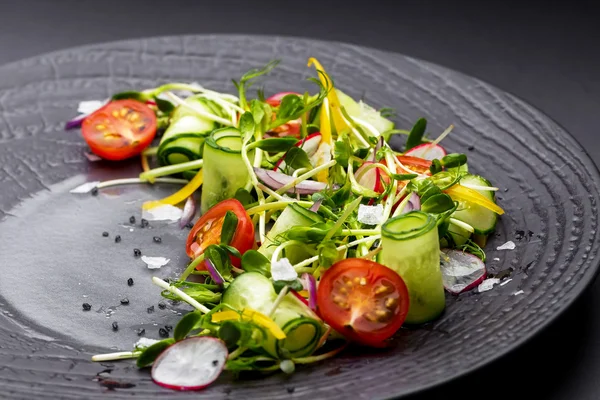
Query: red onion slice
x=310 y=284
x=315 y=207
x=189 y=211
x=414 y=203
x=214 y=274
x=190 y=364
x=276 y=180
x=461 y=271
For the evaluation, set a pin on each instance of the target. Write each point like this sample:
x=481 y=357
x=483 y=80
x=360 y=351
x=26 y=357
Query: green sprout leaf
x=276 y=145
x=415 y=137
x=244 y=197
x=230 y=223
x=133 y=95
x=454 y=160
x=253 y=261
x=294 y=285
x=297 y=158
x=404 y=177
x=437 y=204
x=186 y=324
x=342 y=152
x=164 y=106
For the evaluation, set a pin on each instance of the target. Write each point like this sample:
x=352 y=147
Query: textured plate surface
x=53 y=256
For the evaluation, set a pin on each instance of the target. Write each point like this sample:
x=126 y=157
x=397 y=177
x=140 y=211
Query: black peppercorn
x=150 y=309
x=117 y=238
x=137 y=252
x=87 y=306
x=140 y=331
x=94 y=191
x=130 y=282
x=157 y=239
x=163 y=332
x=125 y=301
x=105 y=234
x=115 y=326
x=132 y=220
x=144 y=223
x=162 y=305
x=169 y=328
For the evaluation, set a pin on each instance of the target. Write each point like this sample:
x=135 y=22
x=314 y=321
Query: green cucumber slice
x=480 y=218
x=364 y=112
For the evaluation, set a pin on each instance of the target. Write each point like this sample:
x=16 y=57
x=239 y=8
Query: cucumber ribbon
x=253 y=315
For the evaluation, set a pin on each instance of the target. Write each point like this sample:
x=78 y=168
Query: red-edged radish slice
x=275 y=100
x=461 y=271
x=427 y=151
x=414 y=203
x=310 y=145
x=370 y=179
x=276 y=180
x=190 y=364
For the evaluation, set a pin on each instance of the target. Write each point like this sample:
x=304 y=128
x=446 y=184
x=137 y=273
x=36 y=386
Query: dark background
x=547 y=53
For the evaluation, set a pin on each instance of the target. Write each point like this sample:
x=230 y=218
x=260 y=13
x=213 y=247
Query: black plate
x=53 y=256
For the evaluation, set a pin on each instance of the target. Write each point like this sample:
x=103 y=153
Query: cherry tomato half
x=207 y=230
x=363 y=300
x=119 y=130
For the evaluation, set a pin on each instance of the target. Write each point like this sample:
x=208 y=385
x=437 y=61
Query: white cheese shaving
x=518 y=293
x=88 y=107
x=510 y=245
x=283 y=270
x=155 y=262
x=370 y=215
x=162 y=213
x=506 y=281
x=496 y=259
x=144 y=342
x=85 y=188
x=487 y=284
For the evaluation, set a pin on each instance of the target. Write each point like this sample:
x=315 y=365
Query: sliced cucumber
x=184 y=138
x=224 y=168
x=364 y=112
x=255 y=291
x=480 y=218
x=292 y=215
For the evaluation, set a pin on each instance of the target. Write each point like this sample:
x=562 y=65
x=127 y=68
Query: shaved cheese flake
x=85 y=188
x=282 y=270
x=144 y=342
x=370 y=215
x=165 y=212
x=488 y=284
x=510 y=245
x=89 y=106
x=155 y=262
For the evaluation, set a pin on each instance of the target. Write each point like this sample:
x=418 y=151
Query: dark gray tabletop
x=546 y=54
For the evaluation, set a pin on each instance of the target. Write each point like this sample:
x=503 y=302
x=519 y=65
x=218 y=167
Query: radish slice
x=190 y=364
x=310 y=284
x=276 y=180
x=427 y=151
x=461 y=271
x=370 y=179
x=310 y=145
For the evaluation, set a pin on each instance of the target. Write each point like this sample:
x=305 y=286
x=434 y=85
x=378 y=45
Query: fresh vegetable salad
x=311 y=233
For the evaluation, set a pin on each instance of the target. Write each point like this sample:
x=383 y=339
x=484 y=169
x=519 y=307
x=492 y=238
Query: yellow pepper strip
x=180 y=195
x=303 y=293
x=334 y=102
x=255 y=316
x=458 y=192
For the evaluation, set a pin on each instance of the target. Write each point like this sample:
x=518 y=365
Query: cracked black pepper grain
x=87 y=306
x=130 y=282
x=115 y=326
x=125 y=301
x=105 y=234
x=144 y=223
x=189 y=225
x=137 y=252
x=291 y=389
x=215 y=363
x=169 y=328
x=94 y=191
x=162 y=305
x=471 y=148
x=162 y=332
x=117 y=238
x=150 y=309
x=132 y=220
x=157 y=239
x=140 y=332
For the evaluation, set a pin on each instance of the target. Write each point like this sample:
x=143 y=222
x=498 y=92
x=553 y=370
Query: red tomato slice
x=207 y=230
x=119 y=130
x=363 y=300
